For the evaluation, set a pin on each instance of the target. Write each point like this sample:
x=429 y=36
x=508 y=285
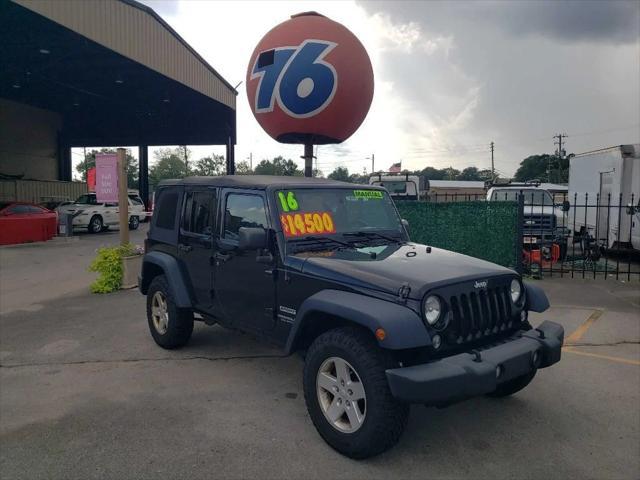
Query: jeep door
x=244 y=288
x=195 y=243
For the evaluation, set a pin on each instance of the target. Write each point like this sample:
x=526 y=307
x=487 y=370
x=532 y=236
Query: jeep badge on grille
x=482 y=284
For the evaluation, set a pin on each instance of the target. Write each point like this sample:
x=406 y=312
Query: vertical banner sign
x=91 y=179
x=106 y=178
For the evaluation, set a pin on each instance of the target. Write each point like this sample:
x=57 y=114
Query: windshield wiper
x=317 y=238
x=371 y=234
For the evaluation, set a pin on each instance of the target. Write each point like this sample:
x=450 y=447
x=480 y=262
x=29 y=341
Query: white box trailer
x=607 y=179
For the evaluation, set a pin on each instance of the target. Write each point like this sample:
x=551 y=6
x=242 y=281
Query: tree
x=545 y=167
x=210 y=166
x=316 y=173
x=451 y=173
x=432 y=173
x=169 y=164
x=90 y=161
x=243 y=168
x=469 y=173
x=340 y=173
x=278 y=166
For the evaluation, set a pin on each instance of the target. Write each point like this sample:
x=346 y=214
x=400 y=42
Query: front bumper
x=451 y=379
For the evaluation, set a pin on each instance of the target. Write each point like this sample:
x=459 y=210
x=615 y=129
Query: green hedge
x=484 y=230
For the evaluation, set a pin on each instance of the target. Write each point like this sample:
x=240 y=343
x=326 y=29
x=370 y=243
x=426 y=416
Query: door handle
x=221 y=257
x=184 y=248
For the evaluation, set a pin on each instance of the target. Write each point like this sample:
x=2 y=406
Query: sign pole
x=123 y=201
x=308 y=160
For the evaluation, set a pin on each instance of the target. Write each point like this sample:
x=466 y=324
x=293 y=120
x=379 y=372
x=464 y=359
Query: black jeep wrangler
x=326 y=268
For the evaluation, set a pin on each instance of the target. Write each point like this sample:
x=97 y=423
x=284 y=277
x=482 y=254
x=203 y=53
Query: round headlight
x=432 y=309
x=515 y=290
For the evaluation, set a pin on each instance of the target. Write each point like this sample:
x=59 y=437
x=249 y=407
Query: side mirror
x=405 y=224
x=250 y=238
x=566 y=206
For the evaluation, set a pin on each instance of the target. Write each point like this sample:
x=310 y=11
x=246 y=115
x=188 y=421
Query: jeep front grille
x=479 y=314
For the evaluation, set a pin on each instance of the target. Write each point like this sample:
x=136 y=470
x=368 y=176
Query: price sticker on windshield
x=314 y=223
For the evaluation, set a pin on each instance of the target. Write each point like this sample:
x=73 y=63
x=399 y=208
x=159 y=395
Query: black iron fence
x=583 y=235
x=580 y=235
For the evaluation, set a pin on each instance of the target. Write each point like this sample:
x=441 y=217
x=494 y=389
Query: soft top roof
x=261 y=182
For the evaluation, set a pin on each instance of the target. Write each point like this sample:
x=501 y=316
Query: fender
x=403 y=326
x=537 y=300
x=169 y=265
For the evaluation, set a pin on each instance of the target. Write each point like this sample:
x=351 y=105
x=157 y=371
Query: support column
x=308 y=160
x=143 y=173
x=231 y=161
x=64 y=160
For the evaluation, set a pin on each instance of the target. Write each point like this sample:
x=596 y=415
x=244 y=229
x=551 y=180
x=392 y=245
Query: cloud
x=450 y=76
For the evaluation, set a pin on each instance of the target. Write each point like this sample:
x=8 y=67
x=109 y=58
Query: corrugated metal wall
x=137 y=35
x=37 y=191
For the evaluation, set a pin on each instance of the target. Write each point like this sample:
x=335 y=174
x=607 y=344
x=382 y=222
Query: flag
x=395 y=168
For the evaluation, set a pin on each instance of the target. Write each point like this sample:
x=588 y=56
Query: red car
x=22 y=222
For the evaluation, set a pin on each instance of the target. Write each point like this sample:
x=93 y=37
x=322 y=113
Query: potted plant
x=118 y=268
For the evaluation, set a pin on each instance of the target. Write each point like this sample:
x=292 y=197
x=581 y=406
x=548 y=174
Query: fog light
x=436 y=341
x=499 y=371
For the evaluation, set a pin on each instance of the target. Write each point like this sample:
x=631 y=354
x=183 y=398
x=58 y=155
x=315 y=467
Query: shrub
x=108 y=263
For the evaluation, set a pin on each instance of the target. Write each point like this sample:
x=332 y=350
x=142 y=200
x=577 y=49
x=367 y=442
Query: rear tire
x=170 y=326
x=381 y=418
x=513 y=386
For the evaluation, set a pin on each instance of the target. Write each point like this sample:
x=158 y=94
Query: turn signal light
x=381 y=334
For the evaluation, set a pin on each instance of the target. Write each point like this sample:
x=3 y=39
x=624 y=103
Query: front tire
x=170 y=326
x=134 y=223
x=348 y=396
x=96 y=224
x=513 y=386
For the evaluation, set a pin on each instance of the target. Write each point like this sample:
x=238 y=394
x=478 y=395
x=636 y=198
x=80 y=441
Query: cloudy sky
x=450 y=77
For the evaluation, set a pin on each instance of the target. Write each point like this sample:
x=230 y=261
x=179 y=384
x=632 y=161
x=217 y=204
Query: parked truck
x=401 y=186
x=604 y=191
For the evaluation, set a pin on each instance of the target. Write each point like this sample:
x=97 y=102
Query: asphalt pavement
x=86 y=393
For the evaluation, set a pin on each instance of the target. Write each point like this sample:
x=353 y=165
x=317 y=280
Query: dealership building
x=101 y=73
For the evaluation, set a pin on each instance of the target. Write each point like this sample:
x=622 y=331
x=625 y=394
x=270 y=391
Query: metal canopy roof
x=115 y=71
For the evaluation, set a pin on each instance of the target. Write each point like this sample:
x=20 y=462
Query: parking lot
x=86 y=393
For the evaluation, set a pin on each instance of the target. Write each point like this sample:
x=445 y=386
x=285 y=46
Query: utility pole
x=373 y=162
x=493 y=168
x=186 y=161
x=251 y=161
x=559 y=153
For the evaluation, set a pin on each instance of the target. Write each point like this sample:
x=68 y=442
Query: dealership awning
x=115 y=72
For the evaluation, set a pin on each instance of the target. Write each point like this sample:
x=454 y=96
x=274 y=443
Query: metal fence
x=593 y=236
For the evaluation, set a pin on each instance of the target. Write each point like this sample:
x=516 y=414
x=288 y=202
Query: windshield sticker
x=373 y=194
x=288 y=201
x=298 y=224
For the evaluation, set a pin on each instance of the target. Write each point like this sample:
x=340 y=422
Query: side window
x=135 y=200
x=243 y=211
x=166 y=210
x=19 y=209
x=199 y=213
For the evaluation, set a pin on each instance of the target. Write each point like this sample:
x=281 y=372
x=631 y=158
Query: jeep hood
x=392 y=266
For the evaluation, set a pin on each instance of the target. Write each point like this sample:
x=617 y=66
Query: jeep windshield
x=531 y=196
x=335 y=216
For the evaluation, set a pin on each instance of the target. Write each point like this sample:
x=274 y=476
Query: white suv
x=96 y=217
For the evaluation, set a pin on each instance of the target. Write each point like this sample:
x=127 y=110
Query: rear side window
x=135 y=200
x=199 y=209
x=166 y=210
x=243 y=211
